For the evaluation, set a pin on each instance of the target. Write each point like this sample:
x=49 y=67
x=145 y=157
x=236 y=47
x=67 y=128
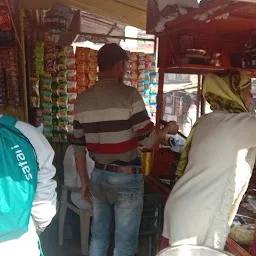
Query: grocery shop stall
x=198 y=38
x=61 y=65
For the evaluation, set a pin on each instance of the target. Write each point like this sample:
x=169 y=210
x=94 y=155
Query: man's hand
x=170 y=127
x=86 y=193
x=173 y=128
x=82 y=170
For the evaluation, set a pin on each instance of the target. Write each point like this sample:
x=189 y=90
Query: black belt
x=118 y=168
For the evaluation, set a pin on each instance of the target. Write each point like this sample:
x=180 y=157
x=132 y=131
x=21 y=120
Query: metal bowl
x=190 y=250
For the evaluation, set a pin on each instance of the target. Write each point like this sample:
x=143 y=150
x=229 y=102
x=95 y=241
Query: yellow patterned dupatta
x=223 y=92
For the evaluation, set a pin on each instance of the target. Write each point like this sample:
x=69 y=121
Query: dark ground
x=71 y=247
x=50 y=243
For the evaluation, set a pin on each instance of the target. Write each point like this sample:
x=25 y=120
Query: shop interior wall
x=31 y=36
x=17 y=112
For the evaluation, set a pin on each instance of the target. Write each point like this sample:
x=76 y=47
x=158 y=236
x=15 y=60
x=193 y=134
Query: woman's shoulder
x=221 y=120
x=230 y=116
x=235 y=122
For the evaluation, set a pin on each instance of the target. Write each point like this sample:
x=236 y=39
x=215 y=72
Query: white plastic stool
x=84 y=219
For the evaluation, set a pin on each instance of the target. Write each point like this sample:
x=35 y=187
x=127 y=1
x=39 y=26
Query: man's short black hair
x=109 y=55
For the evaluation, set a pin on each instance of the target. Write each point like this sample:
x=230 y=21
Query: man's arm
x=44 y=204
x=83 y=173
x=79 y=144
x=82 y=170
x=77 y=139
x=147 y=135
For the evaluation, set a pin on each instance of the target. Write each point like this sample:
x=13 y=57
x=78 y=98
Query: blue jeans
x=117 y=202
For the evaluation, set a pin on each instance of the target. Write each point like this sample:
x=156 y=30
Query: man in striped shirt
x=111 y=120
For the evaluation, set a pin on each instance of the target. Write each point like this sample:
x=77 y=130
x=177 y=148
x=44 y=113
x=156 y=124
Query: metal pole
x=23 y=64
x=110 y=36
x=159 y=110
x=160 y=94
x=155 y=46
x=198 y=96
x=202 y=98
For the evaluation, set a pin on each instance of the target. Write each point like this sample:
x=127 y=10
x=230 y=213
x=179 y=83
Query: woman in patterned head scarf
x=228 y=91
x=215 y=165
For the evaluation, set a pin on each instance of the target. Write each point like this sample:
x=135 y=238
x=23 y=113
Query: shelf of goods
x=217 y=35
x=58 y=75
x=141 y=74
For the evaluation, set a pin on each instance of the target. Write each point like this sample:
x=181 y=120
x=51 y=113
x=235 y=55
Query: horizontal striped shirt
x=111 y=120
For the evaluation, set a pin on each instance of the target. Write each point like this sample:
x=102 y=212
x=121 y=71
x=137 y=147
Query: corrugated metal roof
x=91 y=23
x=128 y=12
x=79 y=22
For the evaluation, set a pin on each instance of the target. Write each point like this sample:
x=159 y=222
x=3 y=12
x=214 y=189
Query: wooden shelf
x=203 y=69
x=235 y=248
x=240 y=17
x=221 y=26
x=193 y=69
x=17 y=112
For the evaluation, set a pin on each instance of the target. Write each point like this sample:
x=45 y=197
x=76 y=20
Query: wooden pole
x=198 y=97
x=108 y=36
x=202 y=98
x=160 y=94
x=155 y=46
x=23 y=64
x=159 y=111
